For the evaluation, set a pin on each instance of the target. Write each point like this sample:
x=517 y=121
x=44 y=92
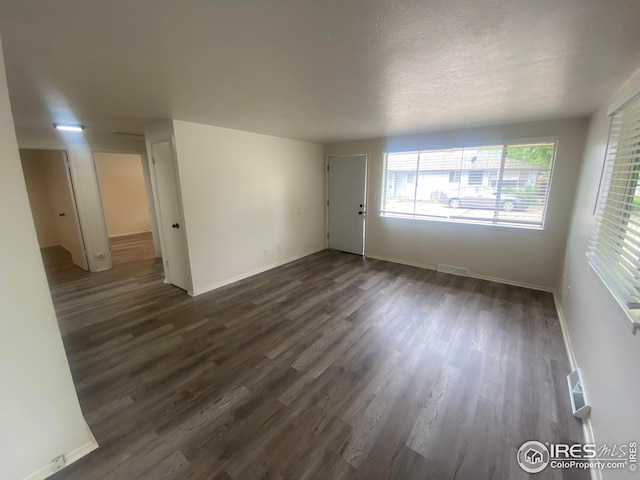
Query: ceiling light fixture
x=68 y=127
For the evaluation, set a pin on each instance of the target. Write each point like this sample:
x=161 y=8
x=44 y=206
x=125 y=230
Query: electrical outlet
x=266 y=252
x=58 y=463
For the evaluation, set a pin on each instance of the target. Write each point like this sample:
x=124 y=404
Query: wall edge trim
x=70 y=457
x=251 y=273
x=489 y=278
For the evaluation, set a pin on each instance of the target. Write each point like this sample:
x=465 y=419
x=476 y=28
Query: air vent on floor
x=453 y=270
x=579 y=403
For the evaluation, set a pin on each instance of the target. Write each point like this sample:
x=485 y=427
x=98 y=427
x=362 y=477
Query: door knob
x=175 y=225
x=62 y=214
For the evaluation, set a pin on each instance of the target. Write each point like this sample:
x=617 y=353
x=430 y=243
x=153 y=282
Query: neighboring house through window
x=476 y=177
x=500 y=185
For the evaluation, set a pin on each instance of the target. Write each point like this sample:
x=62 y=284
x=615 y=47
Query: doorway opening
x=127 y=205
x=53 y=207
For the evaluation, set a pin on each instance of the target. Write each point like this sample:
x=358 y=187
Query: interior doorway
x=125 y=196
x=53 y=205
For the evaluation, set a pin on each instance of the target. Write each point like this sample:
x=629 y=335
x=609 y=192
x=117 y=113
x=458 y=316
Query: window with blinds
x=499 y=185
x=614 y=251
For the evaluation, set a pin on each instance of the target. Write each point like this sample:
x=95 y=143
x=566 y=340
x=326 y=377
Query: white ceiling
x=320 y=70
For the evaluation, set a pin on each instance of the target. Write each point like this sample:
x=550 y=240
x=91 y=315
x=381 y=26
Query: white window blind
x=614 y=251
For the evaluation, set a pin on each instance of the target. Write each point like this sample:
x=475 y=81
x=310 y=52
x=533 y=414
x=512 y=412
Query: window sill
x=632 y=316
x=464 y=221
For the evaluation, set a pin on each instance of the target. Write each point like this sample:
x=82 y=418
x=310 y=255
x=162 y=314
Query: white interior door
x=174 y=251
x=347 y=179
x=72 y=222
x=152 y=209
x=63 y=205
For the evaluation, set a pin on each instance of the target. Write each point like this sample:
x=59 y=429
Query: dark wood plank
x=330 y=367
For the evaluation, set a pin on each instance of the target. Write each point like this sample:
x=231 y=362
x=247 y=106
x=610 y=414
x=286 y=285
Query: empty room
x=320 y=239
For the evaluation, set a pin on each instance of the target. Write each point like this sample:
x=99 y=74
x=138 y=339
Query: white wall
x=123 y=193
x=243 y=193
x=529 y=257
x=40 y=416
x=604 y=348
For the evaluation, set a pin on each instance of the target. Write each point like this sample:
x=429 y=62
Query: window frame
x=504 y=143
x=613 y=215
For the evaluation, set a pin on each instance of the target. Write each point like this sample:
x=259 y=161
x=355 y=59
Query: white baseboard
x=565 y=332
x=401 y=262
x=513 y=283
x=86 y=449
x=587 y=428
x=237 y=278
x=472 y=275
x=70 y=457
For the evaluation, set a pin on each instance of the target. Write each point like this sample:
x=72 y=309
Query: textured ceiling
x=318 y=70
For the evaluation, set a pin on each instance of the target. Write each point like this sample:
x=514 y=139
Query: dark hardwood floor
x=329 y=367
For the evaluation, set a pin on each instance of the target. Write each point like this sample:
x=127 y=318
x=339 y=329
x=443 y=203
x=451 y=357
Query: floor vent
x=579 y=403
x=453 y=270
